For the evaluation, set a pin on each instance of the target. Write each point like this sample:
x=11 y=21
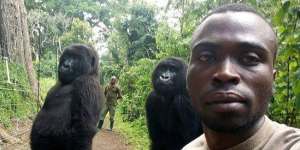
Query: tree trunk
x=14 y=37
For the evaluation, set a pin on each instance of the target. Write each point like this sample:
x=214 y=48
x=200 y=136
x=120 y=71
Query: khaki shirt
x=271 y=136
x=112 y=93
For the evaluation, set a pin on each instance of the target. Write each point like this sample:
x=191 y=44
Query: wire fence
x=16 y=99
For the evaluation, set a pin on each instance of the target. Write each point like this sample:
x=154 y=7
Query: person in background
x=112 y=93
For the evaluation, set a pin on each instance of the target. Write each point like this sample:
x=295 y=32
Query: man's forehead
x=231 y=23
x=223 y=21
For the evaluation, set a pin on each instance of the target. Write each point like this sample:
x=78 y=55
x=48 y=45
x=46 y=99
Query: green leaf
x=279 y=17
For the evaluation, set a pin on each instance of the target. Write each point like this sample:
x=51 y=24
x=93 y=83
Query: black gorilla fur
x=69 y=116
x=171 y=120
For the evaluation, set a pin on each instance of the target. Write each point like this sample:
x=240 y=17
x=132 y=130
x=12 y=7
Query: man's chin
x=231 y=125
x=232 y=129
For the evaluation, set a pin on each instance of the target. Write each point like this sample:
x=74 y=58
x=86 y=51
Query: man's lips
x=223 y=97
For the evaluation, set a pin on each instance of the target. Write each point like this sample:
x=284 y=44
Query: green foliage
x=140 y=26
x=16 y=100
x=287 y=97
x=47 y=67
x=134 y=36
x=171 y=43
x=136 y=84
x=45 y=31
x=118 y=44
x=45 y=85
x=192 y=11
x=80 y=32
x=107 y=70
x=136 y=132
x=32 y=4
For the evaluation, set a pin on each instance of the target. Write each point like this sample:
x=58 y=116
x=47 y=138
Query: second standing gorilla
x=171 y=120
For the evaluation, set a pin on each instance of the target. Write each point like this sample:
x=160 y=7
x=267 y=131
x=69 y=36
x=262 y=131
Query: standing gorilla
x=68 y=119
x=171 y=120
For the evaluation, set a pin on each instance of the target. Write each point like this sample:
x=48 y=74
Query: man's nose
x=226 y=74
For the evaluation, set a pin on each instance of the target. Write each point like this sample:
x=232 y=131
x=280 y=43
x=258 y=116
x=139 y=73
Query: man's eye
x=251 y=60
x=206 y=58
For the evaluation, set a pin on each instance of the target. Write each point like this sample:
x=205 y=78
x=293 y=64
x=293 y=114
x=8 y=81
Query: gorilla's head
x=75 y=61
x=168 y=78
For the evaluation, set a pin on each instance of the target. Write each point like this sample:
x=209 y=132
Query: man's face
x=231 y=71
x=113 y=81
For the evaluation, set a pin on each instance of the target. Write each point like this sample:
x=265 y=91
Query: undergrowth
x=136 y=132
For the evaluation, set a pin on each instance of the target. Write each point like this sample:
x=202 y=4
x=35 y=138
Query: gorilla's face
x=74 y=62
x=166 y=77
x=169 y=76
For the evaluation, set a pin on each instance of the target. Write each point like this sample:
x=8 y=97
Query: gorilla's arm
x=85 y=108
x=153 y=104
x=86 y=100
x=190 y=121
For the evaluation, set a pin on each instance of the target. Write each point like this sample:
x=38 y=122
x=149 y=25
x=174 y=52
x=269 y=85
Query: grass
x=136 y=132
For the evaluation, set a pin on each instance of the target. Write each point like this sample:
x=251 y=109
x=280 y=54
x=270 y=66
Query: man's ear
x=274 y=73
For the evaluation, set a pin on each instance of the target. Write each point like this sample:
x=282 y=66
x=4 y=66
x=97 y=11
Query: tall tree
x=14 y=37
x=134 y=31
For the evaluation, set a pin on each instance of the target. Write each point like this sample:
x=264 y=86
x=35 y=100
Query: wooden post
x=57 y=55
x=56 y=62
x=7 y=69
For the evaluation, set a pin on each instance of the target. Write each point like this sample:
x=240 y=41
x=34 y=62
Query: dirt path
x=104 y=140
x=110 y=140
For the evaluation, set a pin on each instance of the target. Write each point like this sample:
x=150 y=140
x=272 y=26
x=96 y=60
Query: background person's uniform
x=271 y=136
x=112 y=94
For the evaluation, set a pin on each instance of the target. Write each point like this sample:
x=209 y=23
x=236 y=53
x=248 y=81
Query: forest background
x=131 y=37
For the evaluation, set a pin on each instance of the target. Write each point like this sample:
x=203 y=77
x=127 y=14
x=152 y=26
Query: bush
x=136 y=84
x=47 y=67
